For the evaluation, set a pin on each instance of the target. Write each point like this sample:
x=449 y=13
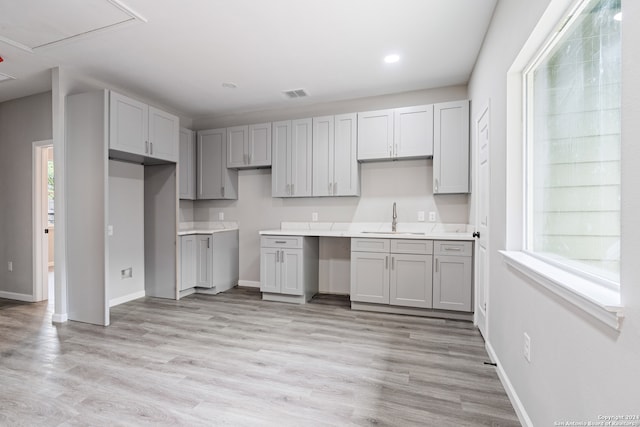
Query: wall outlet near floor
x=527 y=347
x=420 y=216
x=432 y=216
x=314 y=216
x=127 y=273
x=220 y=216
x=10 y=265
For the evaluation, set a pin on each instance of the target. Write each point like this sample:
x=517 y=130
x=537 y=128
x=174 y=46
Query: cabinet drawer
x=281 y=242
x=411 y=246
x=453 y=248
x=369 y=245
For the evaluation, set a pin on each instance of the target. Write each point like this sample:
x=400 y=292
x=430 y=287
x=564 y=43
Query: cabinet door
x=237 y=146
x=204 y=261
x=163 y=135
x=215 y=180
x=411 y=280
x=375 y=135
x=370 y=277
x=301 y=153
x=187 y=164
x=291 y=271
x=413 y=132
x=187 y=262
x=259 y=153
x=128 y=125
x=281 y=159
x=452 y=283
x=323 y=156
x=346 y=169
x=270 y=270
x=451 y=148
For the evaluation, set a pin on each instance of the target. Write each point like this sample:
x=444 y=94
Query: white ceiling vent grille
x=295 y=93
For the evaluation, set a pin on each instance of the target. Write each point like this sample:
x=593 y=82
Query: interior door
x=482 y=222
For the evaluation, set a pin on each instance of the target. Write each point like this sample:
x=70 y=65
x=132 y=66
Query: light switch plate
x=421 y=216
x=221 y=216
x=432 y=216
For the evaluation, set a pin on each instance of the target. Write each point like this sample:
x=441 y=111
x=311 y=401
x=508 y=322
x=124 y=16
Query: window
x=572 y=126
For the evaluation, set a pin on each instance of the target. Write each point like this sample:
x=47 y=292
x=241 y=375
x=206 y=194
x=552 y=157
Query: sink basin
x=396 y=233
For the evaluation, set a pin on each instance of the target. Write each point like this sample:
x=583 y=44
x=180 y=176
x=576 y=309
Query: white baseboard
x=249 y=283
x=16 y=296
x=126 y=298
x=59 y=318
x=521 y=412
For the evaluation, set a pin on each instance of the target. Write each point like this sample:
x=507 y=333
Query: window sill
x=596 y=300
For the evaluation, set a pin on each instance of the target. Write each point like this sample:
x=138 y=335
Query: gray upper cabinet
x=187 y=164
x=401 y=133
x=215 y=180
x=375 y=135
x=249 y=146
x=291 y=158
x=413 y=132
x=136 y=128
x=451 y=148
x=335 y=163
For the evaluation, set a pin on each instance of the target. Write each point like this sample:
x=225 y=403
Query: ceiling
x=179 y=53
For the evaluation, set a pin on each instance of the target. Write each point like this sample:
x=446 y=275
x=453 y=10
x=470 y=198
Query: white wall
x=580 y=369
x=407 y=182
x=22 y=121
x=126 y=245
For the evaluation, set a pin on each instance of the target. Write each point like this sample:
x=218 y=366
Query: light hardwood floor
x=235 y=360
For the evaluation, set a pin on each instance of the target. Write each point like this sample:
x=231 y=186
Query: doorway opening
x=43 y=222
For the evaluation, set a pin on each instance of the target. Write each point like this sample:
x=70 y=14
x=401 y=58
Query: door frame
x=40 y=262
x=485 y=110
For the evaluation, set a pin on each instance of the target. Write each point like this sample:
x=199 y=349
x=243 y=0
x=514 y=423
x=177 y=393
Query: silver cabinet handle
x=335 y=188
x=146 y=146
x=151 y=149
x=436 y=186
x=396 y=150
x=436 y=265
x=458 y=249
x=222 y=190
x=288 y=189
x=277 y=256
x=393 y=263
x=208 y=242
x=386 y=262
x=280 y=242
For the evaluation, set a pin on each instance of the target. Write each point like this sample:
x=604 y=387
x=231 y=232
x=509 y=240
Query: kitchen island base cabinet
x=289 y=268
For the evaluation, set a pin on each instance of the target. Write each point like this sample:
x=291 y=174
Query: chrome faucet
x=394 y=223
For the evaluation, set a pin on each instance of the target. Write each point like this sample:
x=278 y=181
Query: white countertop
x=420 y=230
x=186 y=228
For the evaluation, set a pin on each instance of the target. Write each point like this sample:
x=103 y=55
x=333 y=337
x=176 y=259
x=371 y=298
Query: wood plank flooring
x=234 y=360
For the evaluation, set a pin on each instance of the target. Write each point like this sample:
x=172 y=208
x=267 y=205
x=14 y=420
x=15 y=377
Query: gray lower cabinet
x=209 y=261
x=187 y=262
x=392 y=271
x=288 y=268
x=452 y=275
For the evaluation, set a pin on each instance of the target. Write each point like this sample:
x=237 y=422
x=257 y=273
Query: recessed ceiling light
x=618 y=16
x=229 y=85
x=390 y=59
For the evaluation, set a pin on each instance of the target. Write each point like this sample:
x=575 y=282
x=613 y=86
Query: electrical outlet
x=10 y=265
x=109 y=230
x=220 y=216
x=127 y=273
x=314 y=216
x=527 y=347
x=421 y=216
x=432 y=216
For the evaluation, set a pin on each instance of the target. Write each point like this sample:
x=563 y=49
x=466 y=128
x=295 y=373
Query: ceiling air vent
x=295 y=93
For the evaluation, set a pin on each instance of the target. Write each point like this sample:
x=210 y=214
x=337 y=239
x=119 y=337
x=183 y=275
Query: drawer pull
x=281 y=242
x=457 y=249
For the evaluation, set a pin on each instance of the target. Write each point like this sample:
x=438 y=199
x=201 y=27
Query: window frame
x=596 y=296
